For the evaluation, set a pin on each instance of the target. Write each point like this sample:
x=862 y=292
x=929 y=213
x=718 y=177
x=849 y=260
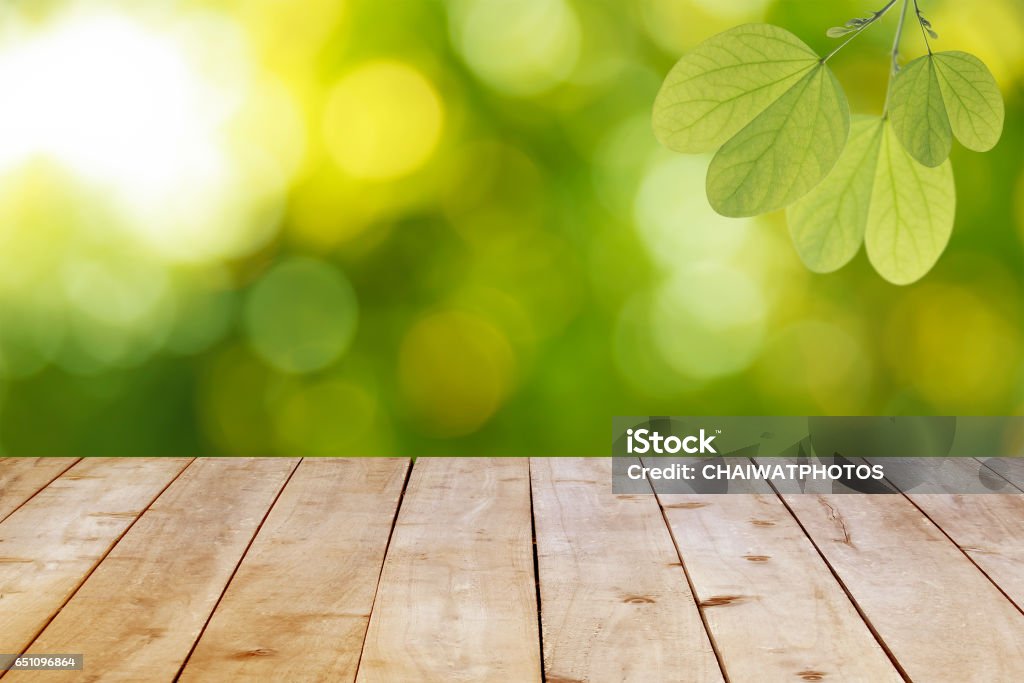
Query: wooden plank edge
x=57 y=476
x=85 y=577
x=384 y=557
x=849 y=595
x=234 y=571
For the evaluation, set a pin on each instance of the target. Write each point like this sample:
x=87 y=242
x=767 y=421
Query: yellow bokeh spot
x=327 y=417
x=455 y=371
x=1020 y=206
x=992 y=31
x=382 y=121
x=330 y=209
x=954 y=349
x=289 y=37
x=678 y=25
x=816 y=367
x=733 y=9
x=234 y=407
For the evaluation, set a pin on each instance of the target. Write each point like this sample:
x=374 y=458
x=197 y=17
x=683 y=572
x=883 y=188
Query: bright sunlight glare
x=110 y=99
x=169 y=123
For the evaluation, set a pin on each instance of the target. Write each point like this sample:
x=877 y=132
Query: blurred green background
x=323 y=227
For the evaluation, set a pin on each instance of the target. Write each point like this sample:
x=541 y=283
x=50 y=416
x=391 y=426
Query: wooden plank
x=774 y=610
x=457 y=598
x=1011 y=469
x=941 y=475
x=139 y=614
x=299 y=604
x=938 y=615
x=52 y=542
x=615 y=604
x=989 y=528
x=22 y=478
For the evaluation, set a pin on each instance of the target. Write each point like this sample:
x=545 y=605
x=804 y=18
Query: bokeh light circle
x=733 y=9
x=675 y=219
x=455 y=370
x=817 y=367
x=708 y=321
x=382 y=121
x=1019 y=206
x=637 y=357
x=233 y=402
x=954 y=348
x=520 y=47
x=307 y=421
x=301 y=316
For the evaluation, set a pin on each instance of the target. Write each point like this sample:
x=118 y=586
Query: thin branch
x=924 y=30
x=875 y=17
x=896 y=56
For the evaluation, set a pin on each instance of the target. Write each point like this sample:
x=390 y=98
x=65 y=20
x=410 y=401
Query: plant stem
x=920 y=23
x=896 y=56
x=877 y=15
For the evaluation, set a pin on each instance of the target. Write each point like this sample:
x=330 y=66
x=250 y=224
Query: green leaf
x=784 y=152
x=918 y=113
x=973 y=101
x=827 y=225
x=945 y=94
x=725 y=83
x=879 y=193
x=912 y=212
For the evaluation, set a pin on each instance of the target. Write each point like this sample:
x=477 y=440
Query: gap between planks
x=234 y=572
x=616 y=605
x=21 y=479
x=884 y=552
x=986 y=527
x=387 y=548
x=298 y=604
x=140 y=611
x=456 y=599
x=65 y=531
x=771 y=605
x=816 y=541
x=536 y=574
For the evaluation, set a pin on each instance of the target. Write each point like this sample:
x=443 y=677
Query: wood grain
x=989 y=528
x=961 y=498
x=940 y=617
x=52 y=542
x=22 y=478
x=615 y=604
x=299 y=604
x=774 y=610
x=132 y=582
x=457 y=598
x=139 y=614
